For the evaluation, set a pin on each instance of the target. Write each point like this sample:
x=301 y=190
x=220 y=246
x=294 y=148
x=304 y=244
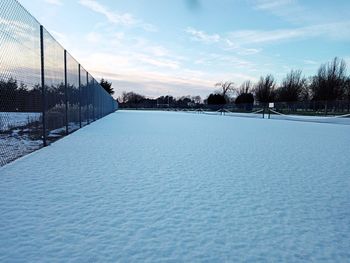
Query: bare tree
x=329 y=83
x=265 y=89
x=292 y=87
x=226 y=87
x=245 y=88
x=306 y=93
x=123 y=98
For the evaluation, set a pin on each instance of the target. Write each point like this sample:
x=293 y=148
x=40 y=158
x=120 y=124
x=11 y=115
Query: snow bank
x=157 y=186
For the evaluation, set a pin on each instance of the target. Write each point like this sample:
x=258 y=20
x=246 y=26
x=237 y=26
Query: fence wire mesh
x=45 y=93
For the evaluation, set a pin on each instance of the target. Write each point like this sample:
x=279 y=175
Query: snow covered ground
x=13 y=146
x=17 y=135
x=10 y=120
x=159 y=186
x=20 y=136
x=338 y=119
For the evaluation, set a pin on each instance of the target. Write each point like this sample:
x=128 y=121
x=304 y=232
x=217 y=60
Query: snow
x=13 y=146
x=159 y=186
x=338 y=119
x=17 y=135
x=332 y=119
x=9 y=120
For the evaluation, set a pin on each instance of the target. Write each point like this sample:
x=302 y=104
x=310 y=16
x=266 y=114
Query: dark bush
x=216 y=99
x=245 y=101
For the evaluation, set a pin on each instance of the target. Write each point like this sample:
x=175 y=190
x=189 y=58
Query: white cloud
x=289 y=10
x=167 y=63
x=273 y=5
x=333 y=31
x=249 y=51
x=238 y=40
x=303 y=13
x=224 y=60
x=136 y=71
x=159 y=51
x=310 y=62
x=224 y=42
x=125 y=19
x=202 y=36
x=93 y=37
x=54 y=2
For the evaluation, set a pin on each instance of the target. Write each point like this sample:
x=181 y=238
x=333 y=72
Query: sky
x=184 y=47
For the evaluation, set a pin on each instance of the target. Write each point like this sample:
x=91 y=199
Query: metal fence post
x=79 y=74
x=66 y=90
x=43 y=97
x=93 y=99
x=87 y=97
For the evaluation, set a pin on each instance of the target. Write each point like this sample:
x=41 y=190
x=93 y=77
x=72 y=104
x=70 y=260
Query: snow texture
x=158 y=186
x=13 y=146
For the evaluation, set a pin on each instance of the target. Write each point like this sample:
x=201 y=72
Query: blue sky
x=184 y=47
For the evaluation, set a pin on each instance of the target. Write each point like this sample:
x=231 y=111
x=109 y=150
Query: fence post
x=87 y=97
x=66 y=89
x=79 y=74
x=43 y=97
x=93 y=100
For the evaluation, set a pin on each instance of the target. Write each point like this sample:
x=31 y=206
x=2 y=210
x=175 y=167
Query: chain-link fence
x=45 y=93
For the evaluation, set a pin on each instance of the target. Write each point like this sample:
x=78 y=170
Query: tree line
x=330 y=83
x=15 y=96
x=134 y=100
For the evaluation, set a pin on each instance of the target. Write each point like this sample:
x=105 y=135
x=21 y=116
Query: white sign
x=271 y=105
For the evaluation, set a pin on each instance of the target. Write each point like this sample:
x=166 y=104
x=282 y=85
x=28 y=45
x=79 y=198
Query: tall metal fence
x=45 y=93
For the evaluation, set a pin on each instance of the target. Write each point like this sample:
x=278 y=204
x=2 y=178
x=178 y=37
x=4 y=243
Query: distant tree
x=165 y=100
x=131 y=98
x=306 y=93
x=246 y=87
x=9 y=95
x=330 y=81
x=197 y=99
x=245 y=101
x=292 y=87
x=245 y=98
x=265 y=89
x=184 y=101
x=216 y=99
x=35 y=95
x=107 y=86
x=347 y=89
x=347 y=92
x=225 y=88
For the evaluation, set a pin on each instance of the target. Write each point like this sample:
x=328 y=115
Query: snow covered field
x=159 y=186
x=9 y=120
